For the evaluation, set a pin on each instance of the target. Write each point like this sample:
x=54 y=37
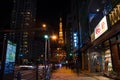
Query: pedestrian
x=19 y=76
x=106 y=64
x=97 y=66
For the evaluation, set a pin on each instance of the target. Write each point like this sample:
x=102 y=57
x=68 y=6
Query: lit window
x=25 y=42
x=27 y=24
x=25 y=32
x=28 y=12
x=27 y=18
x=26 y=46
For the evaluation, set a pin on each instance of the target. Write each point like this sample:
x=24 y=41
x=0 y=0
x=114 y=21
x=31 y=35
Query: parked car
x=27 y=67
x=41 y=66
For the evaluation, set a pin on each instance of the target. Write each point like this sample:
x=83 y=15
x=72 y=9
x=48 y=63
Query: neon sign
x=75 y=40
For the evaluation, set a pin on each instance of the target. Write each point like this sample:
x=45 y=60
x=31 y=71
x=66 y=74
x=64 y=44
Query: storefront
x=100 y=59
x=115 y=50
x=100 y=51
x=110 y=41
x=95 y=61
x=107 y=58
x=99 y=54
x=104 y=53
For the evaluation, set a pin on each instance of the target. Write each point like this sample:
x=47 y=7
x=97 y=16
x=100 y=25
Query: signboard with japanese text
x=101 y=27
x=10 y=57
x=8 y=60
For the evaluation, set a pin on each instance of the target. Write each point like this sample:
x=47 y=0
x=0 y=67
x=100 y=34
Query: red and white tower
x=60 y=39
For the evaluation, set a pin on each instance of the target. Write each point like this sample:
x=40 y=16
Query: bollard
x=18 y=76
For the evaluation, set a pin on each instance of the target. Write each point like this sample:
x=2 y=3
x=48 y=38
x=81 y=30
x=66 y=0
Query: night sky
x=5 y=12
x=48 y=11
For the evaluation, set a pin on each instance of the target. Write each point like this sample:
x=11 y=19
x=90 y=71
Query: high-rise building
x=23 y=19
x=69 y=35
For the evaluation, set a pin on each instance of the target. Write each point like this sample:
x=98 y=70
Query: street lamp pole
x=46 y=43
x=46 y=49
x=49 y=52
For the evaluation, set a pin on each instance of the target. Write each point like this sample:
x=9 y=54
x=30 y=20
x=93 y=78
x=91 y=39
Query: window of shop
x=107 y=58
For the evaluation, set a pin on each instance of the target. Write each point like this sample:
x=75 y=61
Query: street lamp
x=44 y=25
x=47 y=47
x=52 y=37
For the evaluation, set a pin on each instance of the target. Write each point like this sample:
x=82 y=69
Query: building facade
x=103 y=50
x=78 y=27
x=23 y=19
x=97 y=25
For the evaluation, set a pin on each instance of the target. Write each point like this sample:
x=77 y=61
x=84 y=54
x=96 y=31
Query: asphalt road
x=26 y=75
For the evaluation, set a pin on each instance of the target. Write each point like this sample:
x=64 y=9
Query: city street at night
x=60 y=40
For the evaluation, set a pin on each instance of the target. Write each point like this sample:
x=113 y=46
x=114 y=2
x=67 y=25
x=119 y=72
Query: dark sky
x=50 y=8
x=48 y=11
x=5 y=12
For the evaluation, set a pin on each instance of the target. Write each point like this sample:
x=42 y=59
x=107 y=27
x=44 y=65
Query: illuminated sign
x=75 y=40
x=10 y=57
x=101 y=27
x=114 y=15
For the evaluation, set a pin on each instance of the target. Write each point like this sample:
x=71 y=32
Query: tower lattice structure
x=60 y=40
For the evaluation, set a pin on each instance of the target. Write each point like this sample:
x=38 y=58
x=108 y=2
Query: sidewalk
x=68 y=74
x=97 y=76
x=115 y=77
x=107 y=75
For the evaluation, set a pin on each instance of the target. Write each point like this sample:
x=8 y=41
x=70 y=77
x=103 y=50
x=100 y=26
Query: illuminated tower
x=60 y=40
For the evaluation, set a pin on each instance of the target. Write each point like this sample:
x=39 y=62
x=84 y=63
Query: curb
x=99 y=74
x=112 y=77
